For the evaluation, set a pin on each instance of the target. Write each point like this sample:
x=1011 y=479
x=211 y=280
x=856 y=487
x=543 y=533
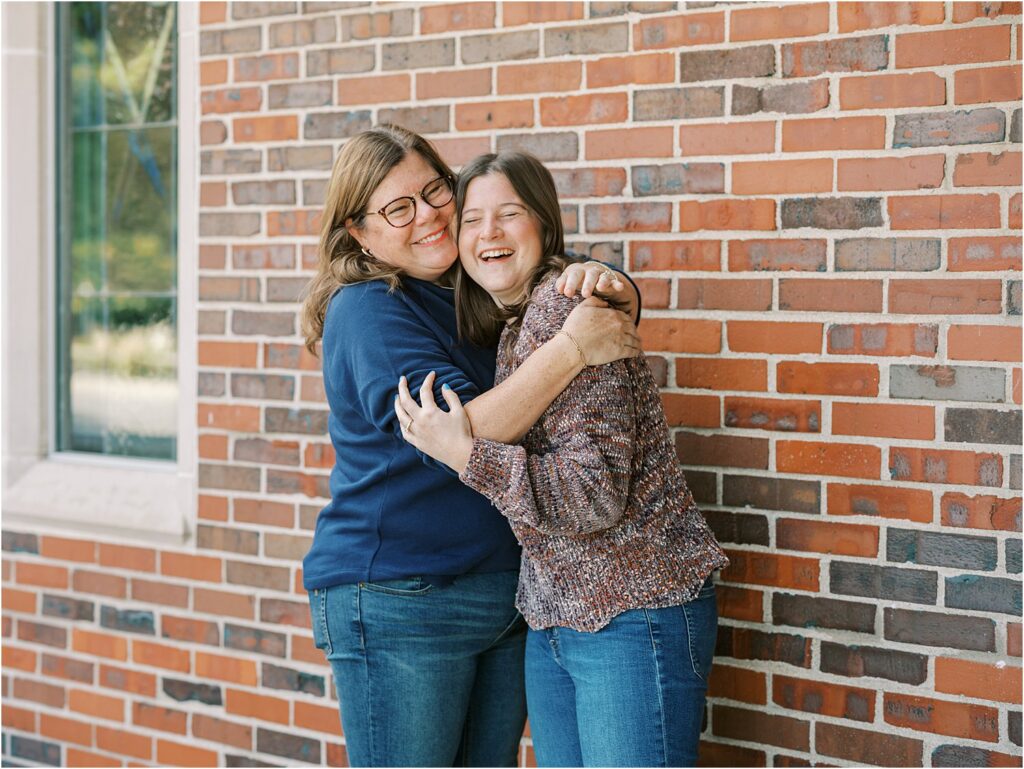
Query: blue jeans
x=631 y=694
x=426 y=675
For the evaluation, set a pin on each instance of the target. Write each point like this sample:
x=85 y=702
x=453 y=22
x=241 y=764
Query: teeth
x=497 y=252
x=431 y=238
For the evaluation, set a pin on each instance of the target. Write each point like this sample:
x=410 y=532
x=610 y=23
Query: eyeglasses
x=400 y=212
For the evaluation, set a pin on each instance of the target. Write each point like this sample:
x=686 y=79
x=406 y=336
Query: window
x=99 y=129
x=116 y=139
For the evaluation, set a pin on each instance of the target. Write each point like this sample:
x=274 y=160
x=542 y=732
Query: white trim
x=64 y=491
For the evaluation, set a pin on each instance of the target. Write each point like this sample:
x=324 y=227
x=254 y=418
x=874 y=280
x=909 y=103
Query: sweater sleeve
x=579 y=483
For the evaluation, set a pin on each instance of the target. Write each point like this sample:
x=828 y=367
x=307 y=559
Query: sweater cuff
x=489 y=469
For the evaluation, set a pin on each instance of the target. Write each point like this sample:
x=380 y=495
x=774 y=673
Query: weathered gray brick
x=427 y=53
x=336 y=125
x=975 y=593
x=257 y=575
x=832 y=213
x=211 y=322
x=267 y=452
x=260 y=10
x=939 y=629
x=229 y=477
x=364 y=26
x=843 y=338
x=749 y=644
x=304 y=421
x=277 y=677
x=850 y=54
x=288 y=546
x=606 y=9
x=947 y=383
x=422 y=120
x=1015 y=471
x=271 y=256
x=905 y=254
x=931 y=548
x=251 y=639
x=216 y=42
x=263 y=386
x=1013 y=297
x=127 y=620
x=67 y=608
x=230 y=162
x=678 y=179
x=765 y=493
x=36 y=751
x=965 y=425
x=340 y=61
x=545 y=146
x=285 y=289
x=1013 y=565
x=581 y=40
x=247 y=322
x=230 y=540
x=314 y=192
x=211 y=384
x=293 y=746
x=1013 y=726
x=962 y=755
x=883 y=582
x=859 y=661
x=307 y=94
x=1015 y=126
x=20 y=542
x=185 y=691
x=791 y=98
x=228 y=224
x=318 y=158
x=937 y=129
x=741 y=528
x=263 y=193
x=727 y=64
x=679 y=103
x=294 y=34
x=809 y=611
x=504 y=46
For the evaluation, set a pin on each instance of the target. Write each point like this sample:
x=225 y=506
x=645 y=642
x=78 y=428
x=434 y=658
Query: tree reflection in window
x=117 y=272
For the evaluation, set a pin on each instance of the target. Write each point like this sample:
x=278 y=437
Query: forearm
x=507 y=412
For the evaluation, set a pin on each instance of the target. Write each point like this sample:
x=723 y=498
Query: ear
x=354 y=230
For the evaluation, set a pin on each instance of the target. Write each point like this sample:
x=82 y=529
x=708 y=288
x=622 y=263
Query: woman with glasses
x=412 y=575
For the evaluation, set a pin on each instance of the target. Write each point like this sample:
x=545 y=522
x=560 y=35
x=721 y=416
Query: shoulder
x=548 y=305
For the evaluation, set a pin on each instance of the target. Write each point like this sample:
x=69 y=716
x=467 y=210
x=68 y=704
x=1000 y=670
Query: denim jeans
x=426 y=675
x=631 y=694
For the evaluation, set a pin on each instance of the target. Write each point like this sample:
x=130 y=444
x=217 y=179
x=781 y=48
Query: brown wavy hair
x=358 y=170
x=480 y=320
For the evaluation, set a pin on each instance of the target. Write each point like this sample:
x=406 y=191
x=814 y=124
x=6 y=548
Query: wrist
x=460 y=454
x=572 y=347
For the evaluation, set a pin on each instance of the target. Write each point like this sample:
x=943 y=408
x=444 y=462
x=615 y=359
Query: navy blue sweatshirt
x=393 y=512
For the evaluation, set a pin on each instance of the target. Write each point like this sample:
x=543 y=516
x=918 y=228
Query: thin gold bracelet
x=583 y=358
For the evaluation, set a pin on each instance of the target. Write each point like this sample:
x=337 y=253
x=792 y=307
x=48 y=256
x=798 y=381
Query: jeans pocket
x=318 y=619
x=409 y=587
x=702 y=629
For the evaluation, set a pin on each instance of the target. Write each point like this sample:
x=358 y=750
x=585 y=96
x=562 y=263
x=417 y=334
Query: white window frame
x=43 y=488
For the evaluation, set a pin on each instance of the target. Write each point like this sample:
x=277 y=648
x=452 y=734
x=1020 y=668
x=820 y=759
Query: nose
x=491 y=228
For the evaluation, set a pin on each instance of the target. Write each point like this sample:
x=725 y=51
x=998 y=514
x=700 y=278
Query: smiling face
x=500 y=239
x=423 y=249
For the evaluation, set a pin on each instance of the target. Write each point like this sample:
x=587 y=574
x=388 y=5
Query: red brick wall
x=822 y=205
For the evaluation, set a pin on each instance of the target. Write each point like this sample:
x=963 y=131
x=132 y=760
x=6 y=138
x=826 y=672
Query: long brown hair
x=358 y=170
x=480 y=320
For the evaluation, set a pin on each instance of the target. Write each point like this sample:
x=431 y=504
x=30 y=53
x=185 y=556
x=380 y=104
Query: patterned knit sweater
x=594 y=493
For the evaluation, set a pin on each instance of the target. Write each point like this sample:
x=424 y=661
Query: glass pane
x=117 y=276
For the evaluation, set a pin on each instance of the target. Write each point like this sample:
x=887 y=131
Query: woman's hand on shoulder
x=446 y=436
x=589 y=278
x=601 y=333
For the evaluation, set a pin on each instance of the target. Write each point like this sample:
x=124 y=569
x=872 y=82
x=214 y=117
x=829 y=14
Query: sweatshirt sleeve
x=579 y=482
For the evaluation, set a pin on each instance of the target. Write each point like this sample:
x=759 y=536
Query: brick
x=739 y=603
x=579 y=40
x=722 y=450
x=760 y=568
x=211 y=132
x=883 y=339
x=628 y=217
x=41 y=575
x=160 y=655
x=260 y=10
x=722 y=754
x=834 y=459
x=969 y=425
x=983 y=169
x=904 y=254
x=946 y=297
x=883 y=420
x=881 y=501
x=883 y=582
x=418 y=55
x=517 y=13
x=948 y=383
x=318 y=718
x=546 y=147
x=36 y=632
x=189 y=630
x=159 y=718
x=531 y=78
x=768 y=493
x=994 y=343
x=755 y=726
x=822 y=537
x=18 y=542
x=498 y=114
x=727 y=64
x=337 y=61
x=176 y=754
x=286 y=679
x=65 y=549
x=999 y=683
x=221 y=668
x=860 y=661
x=918 y=89
x=673 y=179
x=831 y=213
x=124 y=743
x=678 y=103
x=127 y=620
x=982 y=254
x=199 y=567
x=99 y=644
x=67 y=608
x=335 y=125
x=782 y=176
x=254 y=640
x=768 y=337
x=944 y=212
x=859 y=54
x=322 y=455
x=603 y=9
x=869 y=174
x=807 y=294
x=1013 y=556
x=228 y=478
x=930 y=548
x=808 y=611
x=223 y=731
x=67 y=667
x=823 y=698
x=224 y=604
x=629 y=143
x=365 y=26
x=969 y=11
x=937 y=129
x=940 y=466
x=65 y=729
x=248 y=704
x=461 y=83
x=458 y=16
x=981 y=512
x=964 y=755
x=712 y=294
x=987 y=594
x=589 y=182
x=501 y=47
x=257 y=575
x=791 y=98
x=738 y=528
x=743 y=643
x=642 y=69
x=125 y=557
x=735 y=139
x=278 y=612
x=680 y=255
x=722 y=374
x=1013 y=213
x=236 y=40
x=128 y=680
x=772 y=23
x=36 y=691
x=300 y=34
x=934 y=629
x=748 y=214
x=674 y=335
x=773 y=414
x=821 y=134
x=960 y=46
x=267 y=452
x=867 y=747
x=288 y=745
x=98 y=705
x=159 y=592
x=23 y=601
x=857 y=16
x=677 y=31
x=213 y=194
